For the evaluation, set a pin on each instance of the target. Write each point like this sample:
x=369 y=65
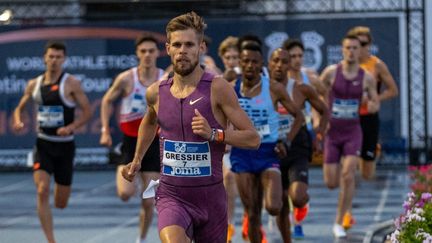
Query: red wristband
x=219 y=136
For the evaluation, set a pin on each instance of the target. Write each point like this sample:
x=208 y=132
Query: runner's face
x=279 y=64
x=296 y=58
x=351 y=50
x=184 y=49
x=230 y=58
x=365 y=44
x=251 y=64
x=54 y=59
x=147 y=54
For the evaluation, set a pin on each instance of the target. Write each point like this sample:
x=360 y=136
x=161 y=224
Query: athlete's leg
x=125 y=189
x=370 y=130
x=250 y=191
x=174 y=234
x=61 y=195
x=42 y=182
x=272 y=189
x=298 y=194
x=331 y=175
x=231 y=190
x=368 y=168
x=283 y=220
x=147 y=205
x=347 y=180
x=331 y=166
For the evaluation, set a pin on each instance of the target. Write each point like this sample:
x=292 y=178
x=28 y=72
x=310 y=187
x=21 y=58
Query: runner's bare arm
x=115 y=91
x=315 y=82
x=280 y=95
x=244 y=134
x=83 y=103
x=327 y=77
x=27 y=96
x=317 y=104
x=371 y=88
x=146 y=132
x=384 y=75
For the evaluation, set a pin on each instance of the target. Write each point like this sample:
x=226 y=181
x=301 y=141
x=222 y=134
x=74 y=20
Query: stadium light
x=6 y=16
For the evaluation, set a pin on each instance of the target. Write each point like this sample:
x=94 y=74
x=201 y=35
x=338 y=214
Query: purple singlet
x=191 y=193
x=345 y=136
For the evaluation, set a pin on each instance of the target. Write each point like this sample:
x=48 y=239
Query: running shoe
x=339 y=231
x=298 y=232
x=245 y=227
x=263 y=234
x=139 y=240
x=348 y=221
x=231 y=232
x=245 y=230
x=301 y=213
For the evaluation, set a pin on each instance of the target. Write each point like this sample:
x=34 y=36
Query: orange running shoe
x=348 y=220
x=231 y=232
x=245 y=227
x=263 y=234
x=301 y=213
x=245 y=230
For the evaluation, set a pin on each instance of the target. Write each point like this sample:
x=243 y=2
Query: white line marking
x=108 y=233
x=384 y=195
x=74 y=198
x=14 y=187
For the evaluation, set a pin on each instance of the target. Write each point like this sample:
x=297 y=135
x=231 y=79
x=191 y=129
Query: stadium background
x=100 y=36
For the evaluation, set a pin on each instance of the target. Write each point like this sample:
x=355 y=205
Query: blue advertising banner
x=96 y=54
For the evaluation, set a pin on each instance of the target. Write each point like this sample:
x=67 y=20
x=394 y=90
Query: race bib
x=138 y=104
x=186 y=159
x=263 y=128
x=285 y=124
x=345 y=109
x=50 y=116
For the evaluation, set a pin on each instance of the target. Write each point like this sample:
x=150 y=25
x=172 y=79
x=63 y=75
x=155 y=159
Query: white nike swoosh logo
x=191 y=102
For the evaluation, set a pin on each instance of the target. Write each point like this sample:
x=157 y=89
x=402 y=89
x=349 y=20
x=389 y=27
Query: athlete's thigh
x=272 y=186
x=61 y=195
x=350 y=163
x=145 y=179
x=174 y=234
x=42 y=180
x=147 y=176
x=248 y=187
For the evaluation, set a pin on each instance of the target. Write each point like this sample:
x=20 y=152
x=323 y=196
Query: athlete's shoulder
x=309 y=71
x=31 y=84
x=219 y=82
x=277 y=87
x=152 y=92
x=126 y=75
x=330 y=70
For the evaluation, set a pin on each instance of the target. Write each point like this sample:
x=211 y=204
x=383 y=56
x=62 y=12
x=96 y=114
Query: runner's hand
x=18 y=126
x=280 y=150
x=105 y=139
x=200 y=126
x=64 y=131
x=129 y=171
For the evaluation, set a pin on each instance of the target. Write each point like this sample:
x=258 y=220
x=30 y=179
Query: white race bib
x=186 y=159
x=138 y=104
x=50 y=116
x=285 y=124
x=345 y=108
x=263 y=128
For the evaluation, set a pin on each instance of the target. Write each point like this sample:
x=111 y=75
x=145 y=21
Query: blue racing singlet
x=261 y=111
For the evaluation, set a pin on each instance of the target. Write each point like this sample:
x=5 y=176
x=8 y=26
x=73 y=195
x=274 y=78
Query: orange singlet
x=370 y=66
